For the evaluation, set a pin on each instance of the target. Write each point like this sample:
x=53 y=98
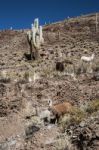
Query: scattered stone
x=31 y=130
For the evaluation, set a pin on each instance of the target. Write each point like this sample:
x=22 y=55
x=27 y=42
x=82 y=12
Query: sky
x=19 y=14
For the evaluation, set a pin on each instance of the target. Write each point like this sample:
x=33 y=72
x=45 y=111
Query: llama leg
x=57 y=119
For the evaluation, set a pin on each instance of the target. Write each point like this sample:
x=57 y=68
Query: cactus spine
x=35 y=37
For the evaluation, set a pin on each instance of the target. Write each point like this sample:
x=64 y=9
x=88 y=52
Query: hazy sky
x=21 y=13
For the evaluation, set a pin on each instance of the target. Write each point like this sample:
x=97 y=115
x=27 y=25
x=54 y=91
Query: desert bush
x=65 y=121
x=95 y=66
x=77 y=115
x=78 y=68
x=93 y=106
x=62 y=144
x=4 y=77
x=26 y=75
x=69 y=69
x=48 y=72
x=84 y=67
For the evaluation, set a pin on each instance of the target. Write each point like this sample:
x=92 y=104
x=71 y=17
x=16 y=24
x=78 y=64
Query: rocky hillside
x=58 y=74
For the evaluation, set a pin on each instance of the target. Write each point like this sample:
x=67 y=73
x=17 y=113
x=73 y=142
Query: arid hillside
x=58 y=74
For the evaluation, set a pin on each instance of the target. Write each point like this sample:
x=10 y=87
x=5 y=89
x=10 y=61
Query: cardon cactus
x=35 y=36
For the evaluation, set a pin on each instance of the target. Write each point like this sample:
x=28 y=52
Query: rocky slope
x=65 y=42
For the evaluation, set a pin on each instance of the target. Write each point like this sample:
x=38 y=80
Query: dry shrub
x=78 y=68
x=93 y=106
x=65 y=121
x=48 y=72
x=69 y=68
x=77 y=115
x=84 y=67
x=64 y=143
x=95 y=66
x=26 y=75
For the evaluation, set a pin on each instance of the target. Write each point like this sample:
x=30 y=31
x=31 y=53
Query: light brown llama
x=60 y=109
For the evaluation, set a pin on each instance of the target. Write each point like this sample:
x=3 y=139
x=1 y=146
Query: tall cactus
x=35 y=38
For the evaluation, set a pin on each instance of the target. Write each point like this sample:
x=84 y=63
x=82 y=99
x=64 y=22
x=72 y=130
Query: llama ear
x=49 y=101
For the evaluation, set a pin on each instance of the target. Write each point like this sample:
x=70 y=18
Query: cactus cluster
x=35 y=36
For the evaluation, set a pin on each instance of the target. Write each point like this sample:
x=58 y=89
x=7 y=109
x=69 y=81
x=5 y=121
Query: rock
x=96 y=76
x=59 y=66
x=30 y=130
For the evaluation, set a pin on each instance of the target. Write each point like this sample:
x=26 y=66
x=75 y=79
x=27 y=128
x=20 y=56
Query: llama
x=88 y=59
x=59 y=110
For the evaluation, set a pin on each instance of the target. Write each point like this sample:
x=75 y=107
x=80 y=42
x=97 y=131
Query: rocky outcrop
x=85 y=136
